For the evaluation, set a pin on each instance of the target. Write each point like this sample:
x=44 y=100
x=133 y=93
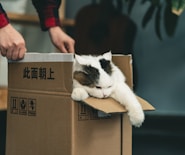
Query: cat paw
x=137 y=118
x=79 y=94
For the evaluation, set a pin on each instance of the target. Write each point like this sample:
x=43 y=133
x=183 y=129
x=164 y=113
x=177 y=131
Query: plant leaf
x=158 y=22
x=170 y=20
x=148 y=16
x=178 y=6
x=143 y=1
x=130 y=5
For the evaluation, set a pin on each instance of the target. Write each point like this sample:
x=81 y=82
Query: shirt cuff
x=3 y=20
x=50 y=22
x=49 y=17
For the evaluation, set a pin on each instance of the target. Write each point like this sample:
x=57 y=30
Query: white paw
x=137 y=117
x=79 y=94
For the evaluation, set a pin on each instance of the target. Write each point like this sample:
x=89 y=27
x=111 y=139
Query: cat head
x=93 y=73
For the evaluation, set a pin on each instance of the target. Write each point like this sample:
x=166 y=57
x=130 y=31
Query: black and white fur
x=98 y=77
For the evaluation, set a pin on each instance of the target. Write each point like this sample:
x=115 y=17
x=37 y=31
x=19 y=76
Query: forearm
x=48 y=12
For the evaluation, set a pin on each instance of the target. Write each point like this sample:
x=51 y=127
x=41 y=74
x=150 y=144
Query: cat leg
x=79 y=94
x=136 y=115
x=126 y=97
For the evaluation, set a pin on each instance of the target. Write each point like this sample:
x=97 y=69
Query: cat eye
x=98 y=87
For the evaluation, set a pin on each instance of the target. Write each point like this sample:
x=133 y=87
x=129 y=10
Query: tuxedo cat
x=97 y=76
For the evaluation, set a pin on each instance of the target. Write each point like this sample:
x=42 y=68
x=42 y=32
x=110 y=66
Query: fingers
x=62 y=48
x=9 y=53
x=13 y=53
x=70 y=48
x=3 y=51
x=67 y=48
x=17 y=54
x=22 y=52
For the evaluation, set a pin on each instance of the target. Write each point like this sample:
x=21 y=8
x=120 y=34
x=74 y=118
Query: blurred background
x=154 y=37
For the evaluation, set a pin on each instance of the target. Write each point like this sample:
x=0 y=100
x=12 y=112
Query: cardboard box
x=42 y=119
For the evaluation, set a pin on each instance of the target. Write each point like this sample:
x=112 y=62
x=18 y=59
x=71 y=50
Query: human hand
x=61 y=40
x=12 y=44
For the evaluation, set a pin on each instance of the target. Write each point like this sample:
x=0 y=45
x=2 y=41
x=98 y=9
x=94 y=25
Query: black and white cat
x=98 y=77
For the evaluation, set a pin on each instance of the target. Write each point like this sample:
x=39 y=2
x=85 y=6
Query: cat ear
x=80 y=59
x=107 y=56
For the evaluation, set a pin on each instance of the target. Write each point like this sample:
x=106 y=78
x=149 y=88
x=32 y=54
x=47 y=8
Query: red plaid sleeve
x=48 y=12
x=3 y=17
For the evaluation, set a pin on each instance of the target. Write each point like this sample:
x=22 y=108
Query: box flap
x=124 y=62
x=109 y=105
x=45 y=57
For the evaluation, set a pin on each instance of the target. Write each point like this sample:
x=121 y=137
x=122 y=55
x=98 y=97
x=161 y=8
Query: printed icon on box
x=32 y=107
x=22 y=106
x=83 y=112
x=14 y=108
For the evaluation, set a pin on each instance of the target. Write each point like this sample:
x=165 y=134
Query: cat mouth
x=100 y=97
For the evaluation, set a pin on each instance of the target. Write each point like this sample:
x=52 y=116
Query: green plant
x=168 y=10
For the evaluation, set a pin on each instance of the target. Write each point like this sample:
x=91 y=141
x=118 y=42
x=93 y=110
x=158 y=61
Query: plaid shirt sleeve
x=48 y=12
x=3 y=17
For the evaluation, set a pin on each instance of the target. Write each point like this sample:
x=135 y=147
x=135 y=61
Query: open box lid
x=109 y=105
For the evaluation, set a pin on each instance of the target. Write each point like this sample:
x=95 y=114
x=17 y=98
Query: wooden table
x=3 y=98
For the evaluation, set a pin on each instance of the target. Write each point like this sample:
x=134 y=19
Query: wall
x=160 y=65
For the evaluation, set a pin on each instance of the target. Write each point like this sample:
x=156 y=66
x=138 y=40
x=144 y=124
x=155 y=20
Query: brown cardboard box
x=42 y=119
